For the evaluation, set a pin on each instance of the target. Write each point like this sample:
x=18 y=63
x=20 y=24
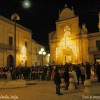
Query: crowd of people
x=79 y=72
x=27 y=73
x=82 y=71
x=47 y=73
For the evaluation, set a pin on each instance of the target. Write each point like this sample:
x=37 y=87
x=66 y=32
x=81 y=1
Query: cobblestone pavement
x=45 y=90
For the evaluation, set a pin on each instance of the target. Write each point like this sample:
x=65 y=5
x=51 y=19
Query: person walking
x=57 y=81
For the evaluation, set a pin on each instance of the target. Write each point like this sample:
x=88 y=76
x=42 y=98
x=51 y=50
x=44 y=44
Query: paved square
x=45 y=90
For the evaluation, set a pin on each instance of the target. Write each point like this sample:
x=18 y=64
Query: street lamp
x=15 y=17
x=42 y=53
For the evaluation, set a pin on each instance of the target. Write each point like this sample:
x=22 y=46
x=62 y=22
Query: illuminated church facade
x=70 y=44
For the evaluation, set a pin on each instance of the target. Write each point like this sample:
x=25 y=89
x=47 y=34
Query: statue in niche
x=84 y=29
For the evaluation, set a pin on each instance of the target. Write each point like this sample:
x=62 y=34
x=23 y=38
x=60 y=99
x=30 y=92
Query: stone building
x=23 y=44
x=26 y=48
x=70 y=44
x=36 y=58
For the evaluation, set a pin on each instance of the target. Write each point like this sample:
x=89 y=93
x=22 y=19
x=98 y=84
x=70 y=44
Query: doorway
x=68 y=59
x=10 y=61
x=97 y=60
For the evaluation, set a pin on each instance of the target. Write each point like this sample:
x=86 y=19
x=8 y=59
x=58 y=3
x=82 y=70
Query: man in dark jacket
x=66 y=78
x=57 y=81
x=78 y=72
x=88 y=70
x=98 y=71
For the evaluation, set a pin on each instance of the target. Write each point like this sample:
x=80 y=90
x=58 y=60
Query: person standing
x=57 y=81
x=88 y=70
x=66 y=78
x=83 y=73
x=74 y=76
x=78 y=72
x=98 y=71
x=52 y=74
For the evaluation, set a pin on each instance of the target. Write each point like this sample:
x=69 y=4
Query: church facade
x=70 y=44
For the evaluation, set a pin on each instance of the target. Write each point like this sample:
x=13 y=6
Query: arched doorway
x=10 y=61
x=67 y=55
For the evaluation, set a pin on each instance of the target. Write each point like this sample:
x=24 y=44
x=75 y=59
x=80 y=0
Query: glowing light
x=68 y=59
x=44 y=53
x=68 y=47
x=48 y=59
x=57 y=52
x=23 y=55
x=42 y=49
x=40 y=52
x=49 y=55
x=26 y=3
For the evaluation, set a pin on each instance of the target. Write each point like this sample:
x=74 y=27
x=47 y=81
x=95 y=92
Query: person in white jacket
x=74 y=76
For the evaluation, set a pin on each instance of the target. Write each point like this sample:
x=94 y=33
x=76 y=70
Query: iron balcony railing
x=7 y=47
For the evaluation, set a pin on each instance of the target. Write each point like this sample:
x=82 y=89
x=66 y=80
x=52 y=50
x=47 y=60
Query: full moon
x=26 y=3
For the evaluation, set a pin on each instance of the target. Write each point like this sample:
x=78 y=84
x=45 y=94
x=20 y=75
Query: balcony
x=93 y=49
x=8 y=47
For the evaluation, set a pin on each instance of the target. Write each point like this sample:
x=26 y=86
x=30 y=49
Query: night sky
x=43 y=14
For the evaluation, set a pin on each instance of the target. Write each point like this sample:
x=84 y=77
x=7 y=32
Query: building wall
x=22 y=34
x=26 y=48
x=84 y=48
x=52 y=53
x=73 y=23
x=94 y=52
x=36 y=58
